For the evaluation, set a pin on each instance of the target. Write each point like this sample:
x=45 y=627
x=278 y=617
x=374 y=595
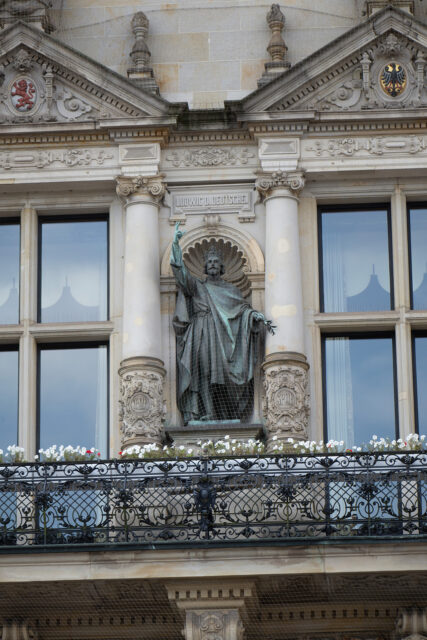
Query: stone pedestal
x=213 y=609
x=286 y=408
x=142 y=407
x=141 y=371
x=190 y=434
x=286 y=400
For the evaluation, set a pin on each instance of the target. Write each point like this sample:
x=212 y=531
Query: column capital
x=152 y=188
x=268 y=183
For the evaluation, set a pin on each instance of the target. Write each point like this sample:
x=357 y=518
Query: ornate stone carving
x=23 y=61
x=212 y=607
x=210 y=157
x=276 y=47
x=72 y=157
x=266 y=183
x=17 y=630
x=361 y=80
x=142 y=409
x=152 y=186
x=141 y=72
x=376 y=146
x=286 y=403
x=219 y=624
x=70 y=105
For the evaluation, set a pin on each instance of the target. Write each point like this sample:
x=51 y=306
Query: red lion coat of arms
x=23 y=94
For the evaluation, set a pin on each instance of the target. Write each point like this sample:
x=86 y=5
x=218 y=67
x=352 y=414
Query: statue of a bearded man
x=217 y=334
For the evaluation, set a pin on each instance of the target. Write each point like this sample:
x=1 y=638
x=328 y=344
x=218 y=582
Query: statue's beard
x=213 y=271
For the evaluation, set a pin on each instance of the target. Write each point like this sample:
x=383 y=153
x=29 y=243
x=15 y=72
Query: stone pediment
x=43 y=80
x=381 y=64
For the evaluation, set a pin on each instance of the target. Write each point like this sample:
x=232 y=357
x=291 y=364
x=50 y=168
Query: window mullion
x=27 y=346
x=400 y=250
x=404 y=379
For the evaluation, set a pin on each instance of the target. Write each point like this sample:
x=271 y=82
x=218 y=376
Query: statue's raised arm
x=184 y=279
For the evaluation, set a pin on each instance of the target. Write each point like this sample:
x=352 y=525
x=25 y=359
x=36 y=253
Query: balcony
x=251 y=500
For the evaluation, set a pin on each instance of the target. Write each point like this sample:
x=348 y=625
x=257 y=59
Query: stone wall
x=203 y=51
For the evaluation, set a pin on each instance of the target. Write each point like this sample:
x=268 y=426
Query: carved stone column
x=17 y=630
x=286 y=406
x=213 y=609
x=141 y=372
x=411 y=623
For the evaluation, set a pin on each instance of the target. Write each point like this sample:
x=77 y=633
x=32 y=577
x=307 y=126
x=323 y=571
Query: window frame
x=359 y=335
x=410 y=206
x=15 y=220
x=52 y=346
x=416 y=334
x=14 y=346
x=52 y=219
x=334 y=209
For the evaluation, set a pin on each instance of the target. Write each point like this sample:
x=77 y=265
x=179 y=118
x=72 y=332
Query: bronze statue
x=217 y=334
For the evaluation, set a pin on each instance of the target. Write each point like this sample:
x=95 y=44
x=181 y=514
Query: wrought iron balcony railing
x=213 y=501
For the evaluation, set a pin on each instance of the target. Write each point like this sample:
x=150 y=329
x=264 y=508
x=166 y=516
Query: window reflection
x=73 y=397
x=9 y=273
x=8 y=398
x=355 y=260
x=359 y=388
x=418 y=238
x=420 y=366
x=74 y=271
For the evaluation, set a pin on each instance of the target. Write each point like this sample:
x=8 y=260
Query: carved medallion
x=393 y=79
x=23 y=94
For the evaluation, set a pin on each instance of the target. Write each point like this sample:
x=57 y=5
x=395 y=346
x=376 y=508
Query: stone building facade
x=254 y=126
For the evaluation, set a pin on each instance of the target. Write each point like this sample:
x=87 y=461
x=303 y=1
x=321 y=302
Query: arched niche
x=244 y=267
x=243 y=258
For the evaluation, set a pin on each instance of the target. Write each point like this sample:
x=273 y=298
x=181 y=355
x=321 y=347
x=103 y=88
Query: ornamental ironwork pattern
x=259 y=499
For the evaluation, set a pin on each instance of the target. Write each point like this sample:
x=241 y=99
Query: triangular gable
x=355 y=71
x=45 y=80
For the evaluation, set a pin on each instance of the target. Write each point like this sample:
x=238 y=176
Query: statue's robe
x=217 y=338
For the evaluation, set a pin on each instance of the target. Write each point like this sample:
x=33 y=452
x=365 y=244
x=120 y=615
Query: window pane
x=418 y=231
x=74 y=271
x=9 y=273
x=355 y=259
x=8 y=398
x=359 y=382
x=73 y=397
x=420 y=358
